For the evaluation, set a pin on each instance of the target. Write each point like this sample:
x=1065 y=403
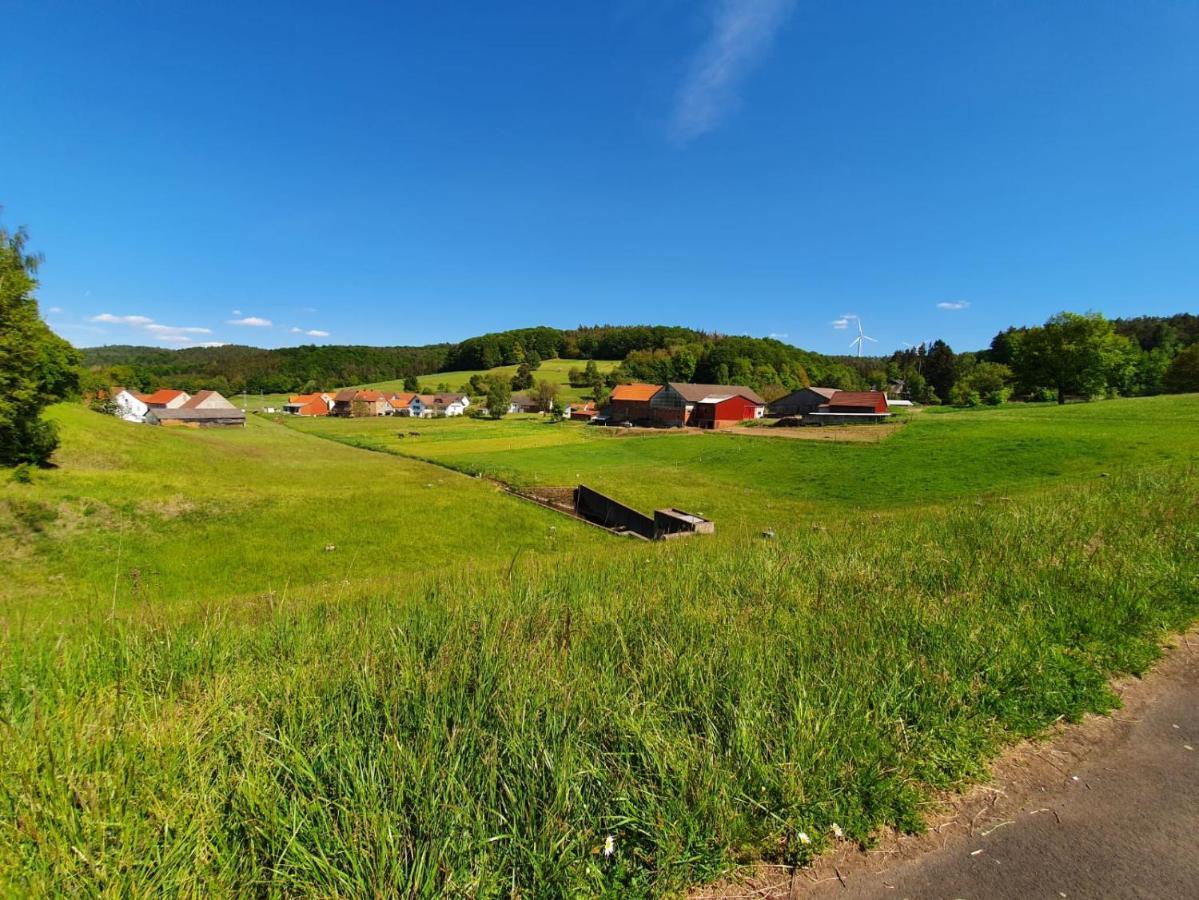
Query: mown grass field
x=482 y=729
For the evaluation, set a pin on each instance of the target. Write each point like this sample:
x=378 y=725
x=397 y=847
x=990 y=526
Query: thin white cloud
x=778 y=336
x=173 y=338
x=741 y=33
x=135 y=321
x=960 y=304
x=212 y=344
x=237 y=312
x=842 y=322
x=155 y=328
x=54 y=309
x=251 y=321
x=316 y=332
x=295 y=330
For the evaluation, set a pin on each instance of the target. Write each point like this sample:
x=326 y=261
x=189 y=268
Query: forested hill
x=1145 y=355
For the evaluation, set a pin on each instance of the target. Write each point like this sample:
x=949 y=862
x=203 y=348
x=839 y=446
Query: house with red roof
x=166 y=398
x=354 y=402
x=309 y=404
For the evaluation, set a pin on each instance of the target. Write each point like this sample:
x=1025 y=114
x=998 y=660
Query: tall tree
x=37 y=367
x=499 y=397
x=1072 y=353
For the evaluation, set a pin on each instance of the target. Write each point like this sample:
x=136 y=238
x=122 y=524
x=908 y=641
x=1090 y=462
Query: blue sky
x=402 y=173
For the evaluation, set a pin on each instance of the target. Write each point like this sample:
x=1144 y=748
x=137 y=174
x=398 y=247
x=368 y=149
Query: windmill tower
x=862 y=337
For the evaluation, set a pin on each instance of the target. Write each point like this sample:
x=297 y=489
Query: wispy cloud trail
x=741 y=34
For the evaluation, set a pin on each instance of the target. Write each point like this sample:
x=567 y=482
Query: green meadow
x=756 y=480
x=471 y=695
x=555 y=371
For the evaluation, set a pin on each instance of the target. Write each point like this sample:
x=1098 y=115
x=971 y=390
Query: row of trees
x=1072 y=355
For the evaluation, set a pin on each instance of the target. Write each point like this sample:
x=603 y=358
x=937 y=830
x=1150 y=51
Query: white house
x=129 y=405
x=450 y=404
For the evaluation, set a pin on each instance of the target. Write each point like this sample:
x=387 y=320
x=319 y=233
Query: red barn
x=724 y=412
x=852 y=407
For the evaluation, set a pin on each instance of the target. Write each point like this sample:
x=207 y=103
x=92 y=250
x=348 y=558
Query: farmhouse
x=309 y=405
x=705 y=405
x=205 y=410
x=850 y=408
x=631 y=403
x=450 y=404
x=353 y=402
x=128 y=405
x=802 y=402
x=165 y=398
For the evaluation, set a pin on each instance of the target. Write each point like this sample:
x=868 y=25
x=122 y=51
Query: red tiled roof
x=162 y=395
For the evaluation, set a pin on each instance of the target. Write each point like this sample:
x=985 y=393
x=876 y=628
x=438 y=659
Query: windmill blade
x=869 y=338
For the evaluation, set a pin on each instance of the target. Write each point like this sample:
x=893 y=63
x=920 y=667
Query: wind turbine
x=862 y=336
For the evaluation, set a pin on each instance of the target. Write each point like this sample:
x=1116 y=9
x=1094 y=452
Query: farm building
x=584 y=412
x=205 y=410
x=851 y=407
x=165 y=398
x=309 y=404
x=450 y=404
x=523 y=403
x=631 y=403
x=353 y=402
x=705 y=405
x=128 y=405
x=802 y=402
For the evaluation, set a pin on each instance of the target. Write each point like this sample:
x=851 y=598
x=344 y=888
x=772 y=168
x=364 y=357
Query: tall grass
x=481 y=736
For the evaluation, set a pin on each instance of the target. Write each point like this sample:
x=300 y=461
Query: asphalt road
x=1123 y=822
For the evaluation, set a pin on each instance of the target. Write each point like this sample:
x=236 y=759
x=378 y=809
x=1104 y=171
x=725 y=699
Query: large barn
x=850 y=408
x=631 y=403
x=802 y=402
x=705 y=405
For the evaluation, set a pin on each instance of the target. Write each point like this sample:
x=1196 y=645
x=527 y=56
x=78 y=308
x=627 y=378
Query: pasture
x=755 y=482
x=472 y=695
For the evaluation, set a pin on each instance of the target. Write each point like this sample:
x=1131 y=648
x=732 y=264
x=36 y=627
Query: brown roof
x=426 y=399
x=198 y=414
x=447 y=399
x=824 y=392
x=693 y=393
x=368 y=396
x=634 y=391
x=345 y=395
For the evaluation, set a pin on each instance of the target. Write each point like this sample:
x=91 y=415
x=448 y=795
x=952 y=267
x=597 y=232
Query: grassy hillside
x=552 y=370
x=388 y=718
x=214 y=514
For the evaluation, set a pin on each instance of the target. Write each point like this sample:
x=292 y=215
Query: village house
x=407 y=404
x=705 y=405
x=450 y=404
x=801 y=402
x=353 y=402
x=205 y=410
x=309 y=404
x=851 y=408
x=523 y=403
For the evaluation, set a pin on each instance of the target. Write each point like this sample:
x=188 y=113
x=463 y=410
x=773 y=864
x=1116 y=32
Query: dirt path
x=1106 y=808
